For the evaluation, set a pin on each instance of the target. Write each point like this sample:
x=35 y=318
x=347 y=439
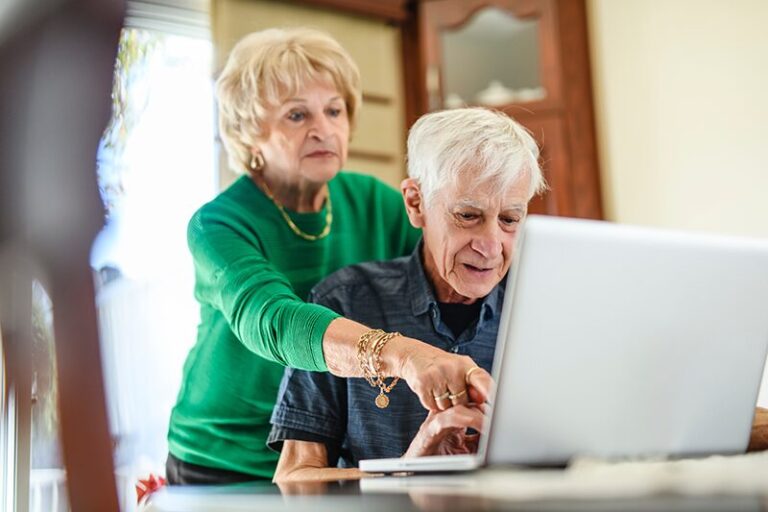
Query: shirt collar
x=494 y=301
x=423 y=298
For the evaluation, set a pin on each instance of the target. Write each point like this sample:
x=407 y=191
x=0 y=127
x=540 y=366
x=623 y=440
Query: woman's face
x=306 y=137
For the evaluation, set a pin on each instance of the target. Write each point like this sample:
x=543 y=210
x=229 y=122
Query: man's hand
x=445 y=432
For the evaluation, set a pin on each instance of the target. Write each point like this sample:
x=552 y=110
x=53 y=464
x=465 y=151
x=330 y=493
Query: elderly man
x=471 y=174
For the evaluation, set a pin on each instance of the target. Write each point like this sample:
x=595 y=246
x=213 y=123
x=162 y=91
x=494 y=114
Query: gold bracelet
x=382 y=400
x=362 y=348
x=375 y=354
x=369 y=348
x=365 y=342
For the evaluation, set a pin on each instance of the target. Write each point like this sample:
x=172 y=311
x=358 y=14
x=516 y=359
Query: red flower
x=146 y=487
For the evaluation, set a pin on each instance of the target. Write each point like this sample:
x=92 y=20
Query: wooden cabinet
x=529 y=58
x=539 y=60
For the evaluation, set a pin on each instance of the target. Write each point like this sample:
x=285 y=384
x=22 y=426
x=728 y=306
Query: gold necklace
x=296 y=230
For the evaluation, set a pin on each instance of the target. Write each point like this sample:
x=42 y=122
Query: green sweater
x=252 y=274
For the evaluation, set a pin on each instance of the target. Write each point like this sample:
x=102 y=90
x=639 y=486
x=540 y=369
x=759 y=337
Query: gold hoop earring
x=257 y=162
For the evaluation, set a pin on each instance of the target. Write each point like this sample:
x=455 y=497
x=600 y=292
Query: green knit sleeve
x=256 y=300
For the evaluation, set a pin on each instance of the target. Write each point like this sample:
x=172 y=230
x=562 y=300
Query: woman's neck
x=302 y=196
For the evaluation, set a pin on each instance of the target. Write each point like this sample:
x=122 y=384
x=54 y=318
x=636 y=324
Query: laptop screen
x=621 y=341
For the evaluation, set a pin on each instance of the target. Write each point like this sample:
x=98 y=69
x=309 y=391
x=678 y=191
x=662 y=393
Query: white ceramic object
x=495 y=94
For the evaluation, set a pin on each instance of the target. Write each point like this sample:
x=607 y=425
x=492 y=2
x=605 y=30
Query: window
x=7 y=436
x=47 y=481
x=156 y=166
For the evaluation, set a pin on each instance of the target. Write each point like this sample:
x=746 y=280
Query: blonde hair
x=443 y=145
x=268 y=66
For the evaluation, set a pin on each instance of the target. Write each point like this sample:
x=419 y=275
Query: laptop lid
x=619 y=341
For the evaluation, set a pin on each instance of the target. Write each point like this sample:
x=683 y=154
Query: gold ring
x=443 y=396
x=457 y=395
x=469 y=372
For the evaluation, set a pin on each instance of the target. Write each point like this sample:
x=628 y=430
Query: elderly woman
x=288 y=100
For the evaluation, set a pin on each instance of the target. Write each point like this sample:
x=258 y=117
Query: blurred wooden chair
x=56 y=63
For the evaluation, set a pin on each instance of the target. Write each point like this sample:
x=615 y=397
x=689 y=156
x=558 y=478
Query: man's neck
x=444 y=292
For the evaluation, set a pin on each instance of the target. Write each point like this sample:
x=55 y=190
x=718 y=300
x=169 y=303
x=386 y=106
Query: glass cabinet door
x=490 y=53
x=527 y=58
x=493 y=60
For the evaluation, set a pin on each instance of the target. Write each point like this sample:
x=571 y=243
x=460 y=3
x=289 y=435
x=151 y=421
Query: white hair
x=489 y=144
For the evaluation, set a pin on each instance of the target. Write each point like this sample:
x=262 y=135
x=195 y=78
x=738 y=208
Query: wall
x=681 y=90
x=378 y=144
x=681 y=99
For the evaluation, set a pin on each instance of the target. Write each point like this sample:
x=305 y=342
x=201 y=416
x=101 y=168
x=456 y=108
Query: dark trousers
x=178 y=472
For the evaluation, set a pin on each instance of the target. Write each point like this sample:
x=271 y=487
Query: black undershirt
x=459 y=316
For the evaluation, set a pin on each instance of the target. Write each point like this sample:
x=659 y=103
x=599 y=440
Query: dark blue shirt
x=394 y=296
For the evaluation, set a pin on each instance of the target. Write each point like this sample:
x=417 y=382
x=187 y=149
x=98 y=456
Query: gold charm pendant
x=382 y=401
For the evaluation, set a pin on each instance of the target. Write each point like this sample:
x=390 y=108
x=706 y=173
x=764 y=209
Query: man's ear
x=414 y=201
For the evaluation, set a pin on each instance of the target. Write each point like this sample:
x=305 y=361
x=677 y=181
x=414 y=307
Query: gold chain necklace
x=296 y=230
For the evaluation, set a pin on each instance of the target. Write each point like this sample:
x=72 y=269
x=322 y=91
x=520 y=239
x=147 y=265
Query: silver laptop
x=618 y=341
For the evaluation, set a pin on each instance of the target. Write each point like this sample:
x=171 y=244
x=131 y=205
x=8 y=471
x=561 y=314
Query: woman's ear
x=414 y=201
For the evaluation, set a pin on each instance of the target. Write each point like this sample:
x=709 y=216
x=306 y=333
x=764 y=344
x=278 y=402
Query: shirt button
x=455 y=350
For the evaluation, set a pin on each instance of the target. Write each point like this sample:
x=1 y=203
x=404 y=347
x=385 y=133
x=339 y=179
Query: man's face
x=469 y=236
